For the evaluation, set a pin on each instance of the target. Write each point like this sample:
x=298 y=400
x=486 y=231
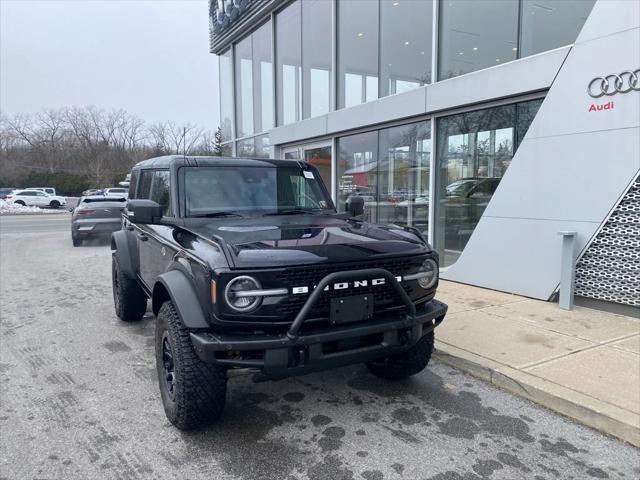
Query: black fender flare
x=183 y=297
x=122 y=252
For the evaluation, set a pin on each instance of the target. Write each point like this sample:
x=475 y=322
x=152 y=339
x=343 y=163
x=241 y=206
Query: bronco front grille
x=384 y=295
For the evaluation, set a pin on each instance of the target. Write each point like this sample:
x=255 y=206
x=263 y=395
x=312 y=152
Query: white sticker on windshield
x=308 y=174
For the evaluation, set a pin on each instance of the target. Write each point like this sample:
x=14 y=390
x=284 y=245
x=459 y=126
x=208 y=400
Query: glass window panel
x=403 y=175
x=474 y=151
x=405 y=45
x=245 y=148
x=476 y=34
x=357 y=52
x=293 y=154
x=352 y=90
x=263 y=146
x=526 y=111
x=262 y=79
x=548 y=24
x=357 y=171
x=320 y=157
x=225 y=67
x=289 y=63
x=316 y=56
x=244 y=88
x=227 y=150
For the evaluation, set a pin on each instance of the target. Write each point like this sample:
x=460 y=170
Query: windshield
x=246 y=191
x=460 y=187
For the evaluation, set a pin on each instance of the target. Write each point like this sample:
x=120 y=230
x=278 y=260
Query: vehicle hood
x=306 y=240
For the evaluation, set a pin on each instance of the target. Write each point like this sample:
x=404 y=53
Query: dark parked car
x=248 y=265
x=96 y=216
x=465 y=201
x=5 y=191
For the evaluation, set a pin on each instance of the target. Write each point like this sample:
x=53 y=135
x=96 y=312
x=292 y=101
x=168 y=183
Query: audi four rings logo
x=611 y=84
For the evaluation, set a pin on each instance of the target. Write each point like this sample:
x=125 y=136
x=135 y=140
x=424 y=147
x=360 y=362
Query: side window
x=145 y=184
x=160 y=191
x=154 y=185
x=133 y=183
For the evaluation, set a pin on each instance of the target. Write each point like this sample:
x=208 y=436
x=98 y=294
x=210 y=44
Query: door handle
x=143 y=237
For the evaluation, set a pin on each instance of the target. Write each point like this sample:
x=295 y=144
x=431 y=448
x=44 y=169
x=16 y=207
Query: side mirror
x=144 y=211
x=355 y=205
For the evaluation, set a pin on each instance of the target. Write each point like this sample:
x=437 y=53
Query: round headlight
x=430 y=268
x=239 y=301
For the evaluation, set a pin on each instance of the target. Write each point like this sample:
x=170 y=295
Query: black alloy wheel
x=169 y=378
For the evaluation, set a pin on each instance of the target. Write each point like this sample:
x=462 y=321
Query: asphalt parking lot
x=79 y=400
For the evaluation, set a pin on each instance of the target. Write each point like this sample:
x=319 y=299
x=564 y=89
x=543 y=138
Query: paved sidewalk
x=582 y=363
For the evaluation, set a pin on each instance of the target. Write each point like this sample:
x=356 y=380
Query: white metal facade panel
x=519 y=77
x=527 y=74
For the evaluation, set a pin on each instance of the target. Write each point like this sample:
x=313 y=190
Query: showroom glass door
x=317 y=154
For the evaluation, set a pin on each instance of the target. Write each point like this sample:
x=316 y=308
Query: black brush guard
x=295 y=353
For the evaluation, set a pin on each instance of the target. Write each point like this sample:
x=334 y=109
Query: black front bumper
x=283 y=355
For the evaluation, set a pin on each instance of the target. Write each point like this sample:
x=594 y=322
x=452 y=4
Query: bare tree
x=91 y=143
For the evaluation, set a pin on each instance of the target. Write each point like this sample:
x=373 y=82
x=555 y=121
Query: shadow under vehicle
x=248 y=265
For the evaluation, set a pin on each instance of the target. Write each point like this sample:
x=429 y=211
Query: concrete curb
x=592 y=412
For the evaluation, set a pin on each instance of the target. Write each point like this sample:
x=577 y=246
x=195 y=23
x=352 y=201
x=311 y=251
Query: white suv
x=49 y=190
x=36 y=198
x=117 y=192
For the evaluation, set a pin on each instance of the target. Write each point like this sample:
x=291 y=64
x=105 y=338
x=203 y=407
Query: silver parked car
x=117 y=192
x=96 y=216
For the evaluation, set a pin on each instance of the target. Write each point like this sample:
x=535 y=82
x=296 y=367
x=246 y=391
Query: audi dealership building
x=489 y=125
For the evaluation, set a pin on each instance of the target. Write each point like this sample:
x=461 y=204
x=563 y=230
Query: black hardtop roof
x=168 y=161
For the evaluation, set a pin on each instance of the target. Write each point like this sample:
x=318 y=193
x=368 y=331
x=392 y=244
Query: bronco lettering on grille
x=344 y=285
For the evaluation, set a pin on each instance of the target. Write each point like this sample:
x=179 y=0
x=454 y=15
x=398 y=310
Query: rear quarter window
x=154 y=185
x=133 y=183
x=145 y=184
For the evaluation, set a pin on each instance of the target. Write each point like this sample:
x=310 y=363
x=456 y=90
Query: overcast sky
x=149 y=57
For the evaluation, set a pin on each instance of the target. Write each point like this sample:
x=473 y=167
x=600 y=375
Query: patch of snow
x=7 y=208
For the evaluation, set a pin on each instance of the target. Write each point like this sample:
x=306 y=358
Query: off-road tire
x=76 y=241
x=405 y=364
x=20 y=202
x=199 y=388
x=129 y=299
x=54 y=204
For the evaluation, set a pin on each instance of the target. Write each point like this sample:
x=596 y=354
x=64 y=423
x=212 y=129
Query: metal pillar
x=567 y=269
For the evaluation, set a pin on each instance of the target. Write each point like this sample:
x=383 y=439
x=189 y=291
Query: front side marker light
x=214 y=292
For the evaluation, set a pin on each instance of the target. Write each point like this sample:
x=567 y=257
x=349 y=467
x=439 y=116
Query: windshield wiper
x=216 y=214
x=292 y=211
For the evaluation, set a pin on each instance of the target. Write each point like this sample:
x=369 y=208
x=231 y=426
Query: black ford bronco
x=248 y=265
